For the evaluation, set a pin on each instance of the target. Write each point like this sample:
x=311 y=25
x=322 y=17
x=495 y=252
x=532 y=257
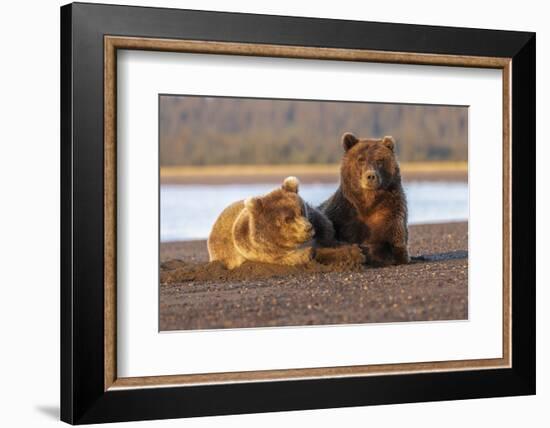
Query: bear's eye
x=289 y=219
x=361 y=159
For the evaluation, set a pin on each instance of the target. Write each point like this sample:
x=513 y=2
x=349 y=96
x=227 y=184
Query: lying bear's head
x=368 y=164
x=280 y=217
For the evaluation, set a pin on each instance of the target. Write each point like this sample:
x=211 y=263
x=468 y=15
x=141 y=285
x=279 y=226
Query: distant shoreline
x=309 y=173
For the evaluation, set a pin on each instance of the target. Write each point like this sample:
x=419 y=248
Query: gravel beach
x=195 y=294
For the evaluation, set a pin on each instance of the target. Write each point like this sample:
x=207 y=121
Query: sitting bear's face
x=368 y=164
x=280 y=216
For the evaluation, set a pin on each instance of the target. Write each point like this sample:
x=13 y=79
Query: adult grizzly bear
x=278 y=228
x=369 y=208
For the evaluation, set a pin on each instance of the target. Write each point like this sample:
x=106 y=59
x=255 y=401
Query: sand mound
x=178 y=271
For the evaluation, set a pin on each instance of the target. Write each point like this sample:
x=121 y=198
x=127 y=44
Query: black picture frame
x=83 y=398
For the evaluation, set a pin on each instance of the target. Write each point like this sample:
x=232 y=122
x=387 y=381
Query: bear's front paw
x=309 y=255
x=348 y=254
x=401 y=255
x=298 y=257
x=357 y=254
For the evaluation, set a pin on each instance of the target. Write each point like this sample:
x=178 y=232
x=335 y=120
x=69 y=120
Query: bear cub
x=278 y=228
x=369 y=208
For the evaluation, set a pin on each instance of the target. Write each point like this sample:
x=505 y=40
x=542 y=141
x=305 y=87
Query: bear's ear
x=389 y=142
x=253 y=203
x=349 y=140
x=291 y=184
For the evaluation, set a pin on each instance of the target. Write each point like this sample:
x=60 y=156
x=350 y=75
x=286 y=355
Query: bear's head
x=280 y=217
x=368 y=164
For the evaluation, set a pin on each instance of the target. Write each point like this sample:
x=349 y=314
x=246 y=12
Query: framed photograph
x=265 y=213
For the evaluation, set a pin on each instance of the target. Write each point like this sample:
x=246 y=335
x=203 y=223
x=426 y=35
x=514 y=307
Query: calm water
x=189 y=211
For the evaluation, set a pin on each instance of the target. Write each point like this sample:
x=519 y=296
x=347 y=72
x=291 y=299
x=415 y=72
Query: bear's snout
x=305 y=230
x=370 y=179
x=371 y=176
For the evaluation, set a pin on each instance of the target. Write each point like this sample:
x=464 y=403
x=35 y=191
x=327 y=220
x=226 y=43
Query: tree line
x=219 y=131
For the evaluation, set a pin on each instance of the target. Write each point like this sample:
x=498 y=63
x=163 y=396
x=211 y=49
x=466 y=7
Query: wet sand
x=195 y=294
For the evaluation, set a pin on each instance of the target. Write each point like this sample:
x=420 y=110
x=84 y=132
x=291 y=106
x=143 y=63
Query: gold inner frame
x=112 y=43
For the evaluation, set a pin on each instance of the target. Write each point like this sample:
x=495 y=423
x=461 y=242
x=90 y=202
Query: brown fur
x=369 y=208
x=278 y=228
x=270 y=229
